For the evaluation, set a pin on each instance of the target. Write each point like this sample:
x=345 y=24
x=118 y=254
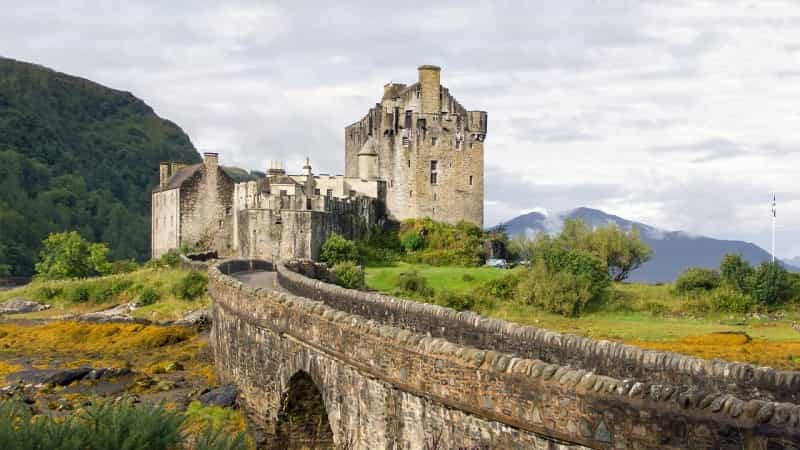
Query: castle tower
x=426 y=147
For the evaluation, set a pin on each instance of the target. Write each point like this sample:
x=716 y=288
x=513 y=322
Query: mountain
x=673 y=251
x=75 y=155
x=793 y=261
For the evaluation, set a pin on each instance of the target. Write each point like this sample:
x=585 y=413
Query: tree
x=736 y=272
x=771 y=284
x=69 y=255
x=338 y=249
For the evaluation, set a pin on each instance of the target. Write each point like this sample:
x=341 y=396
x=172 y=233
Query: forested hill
x=75 y=155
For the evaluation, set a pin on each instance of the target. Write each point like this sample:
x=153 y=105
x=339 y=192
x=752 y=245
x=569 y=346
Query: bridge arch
x=399 y=374
x=303 y=416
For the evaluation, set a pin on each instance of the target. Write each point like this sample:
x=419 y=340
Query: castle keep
x=417 y=153
x=427 y=147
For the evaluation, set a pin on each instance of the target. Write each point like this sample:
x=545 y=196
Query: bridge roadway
x=398 y=374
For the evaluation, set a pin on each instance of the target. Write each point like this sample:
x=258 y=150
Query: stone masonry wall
x=603 y=357
x=389 y=387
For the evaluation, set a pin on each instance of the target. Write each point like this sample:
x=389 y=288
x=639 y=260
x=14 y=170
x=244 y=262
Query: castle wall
x=207 y=209
x=164 y=224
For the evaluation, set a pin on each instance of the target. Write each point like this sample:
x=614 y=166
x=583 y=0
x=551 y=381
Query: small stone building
x=418 y=153
x=276 y=216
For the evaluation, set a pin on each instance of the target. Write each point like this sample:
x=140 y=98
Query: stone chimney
x=307 y=167
x=211 y=160
x=276 y=168
x=429 y=85
x=163 y=174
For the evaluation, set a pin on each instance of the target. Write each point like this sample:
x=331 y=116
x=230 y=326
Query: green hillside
x=75 y=155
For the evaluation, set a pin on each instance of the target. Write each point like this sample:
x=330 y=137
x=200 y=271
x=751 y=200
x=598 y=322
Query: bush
x=191 y=286
x=148 y=296
x=457 y=301
x=382 y=247
x=579 y=263
x=771 y=284
x=348 y=275
x=123 y=266
x=697 y=279
x=467 y=278
x=561 y=292
x=414 y=283
x=728 y=299
x=78 y=293
x=412 y=241
x=102 y=290
x=69 y=255
x=49 y=293
x=502 y=288
x=736 y=272
x=170 y=259
x=337 y=249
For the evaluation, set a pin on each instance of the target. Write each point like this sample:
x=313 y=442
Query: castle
x=417 y=153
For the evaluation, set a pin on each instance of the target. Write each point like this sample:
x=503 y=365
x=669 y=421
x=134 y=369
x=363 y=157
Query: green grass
x=385 y=278
x=129 y=286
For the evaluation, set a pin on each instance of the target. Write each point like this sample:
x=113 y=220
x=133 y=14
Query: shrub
x=123 y=266
x=348 y=275
x=414 y=283
x=771 y=284
x=468 y=278
x=728 y=299
x=78 y=293
x=736 y=272
x=148 y=296
x=191 y=286
x=382 y=247
x=502 y=288
x=48 y=292
x=412 y=241
x=69 y=255
x=337 y=249
x=457 y=301
x=170 y=259
x=697 y=279
x=561 y=292
x=580 y=263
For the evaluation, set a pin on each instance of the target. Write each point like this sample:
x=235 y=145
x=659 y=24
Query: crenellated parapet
x=393 y=359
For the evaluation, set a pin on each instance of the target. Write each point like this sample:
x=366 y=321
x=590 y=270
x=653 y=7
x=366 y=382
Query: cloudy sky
x=682 y=115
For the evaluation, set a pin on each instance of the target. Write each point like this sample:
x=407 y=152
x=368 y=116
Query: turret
x=163 y=174
x=211 y=161
x=429 y=85
x=368 y=162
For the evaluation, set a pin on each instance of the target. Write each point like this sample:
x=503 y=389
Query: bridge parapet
x=391 y=372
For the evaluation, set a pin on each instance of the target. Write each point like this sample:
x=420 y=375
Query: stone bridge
x=398 y=374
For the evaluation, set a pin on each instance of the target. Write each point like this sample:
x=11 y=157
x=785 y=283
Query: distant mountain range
x=673 y=251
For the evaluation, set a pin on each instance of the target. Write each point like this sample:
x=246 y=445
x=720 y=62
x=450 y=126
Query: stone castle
x=418 y=153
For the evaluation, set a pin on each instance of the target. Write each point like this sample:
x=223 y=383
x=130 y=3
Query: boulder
x=21 y=305
x=119 y=313
x=224 y=396
x=64 y=377
x=199 y=319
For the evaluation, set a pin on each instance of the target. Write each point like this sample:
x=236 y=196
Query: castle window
x=391 y=183
x=470 y=180
x=283 y=193
x=409 y=163
x=352 y=193
x=433 y=141
x=221 y=223
x=316 y=191
x=434 y=211
x=329 y=192
x=410 y=193
x=434 y=172
x=227 y=210
x=435 y=197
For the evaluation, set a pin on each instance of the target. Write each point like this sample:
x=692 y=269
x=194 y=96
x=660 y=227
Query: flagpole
x=774 y=218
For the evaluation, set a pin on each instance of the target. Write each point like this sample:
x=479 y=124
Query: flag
x=774 y=210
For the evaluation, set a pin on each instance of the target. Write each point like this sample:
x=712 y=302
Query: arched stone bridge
x=398 y=374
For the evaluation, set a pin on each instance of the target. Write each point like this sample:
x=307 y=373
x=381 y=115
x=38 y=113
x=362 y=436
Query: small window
x=470 y=180
x=434 y=172
x=410 y=193
x=227 y=210
x=283 y=193
x=433 y=141
x=391 y=183
x=434 y=211
x=409 y=163
x=316 y=191
x=435 y=197
x=329 y=192
x=352 y=193
x=221 y=223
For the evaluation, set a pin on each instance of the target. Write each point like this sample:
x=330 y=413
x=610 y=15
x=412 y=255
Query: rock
x=119 y=313
x=173 y=366
x=222 y=396
x=60 y=377
x=200 y=319
x=21 y=305
x=102 y=374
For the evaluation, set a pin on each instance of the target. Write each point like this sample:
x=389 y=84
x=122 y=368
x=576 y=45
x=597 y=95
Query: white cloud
x=677 y=114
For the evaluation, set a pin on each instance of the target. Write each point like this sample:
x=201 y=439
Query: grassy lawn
x=121 y=288
x=650 y=316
